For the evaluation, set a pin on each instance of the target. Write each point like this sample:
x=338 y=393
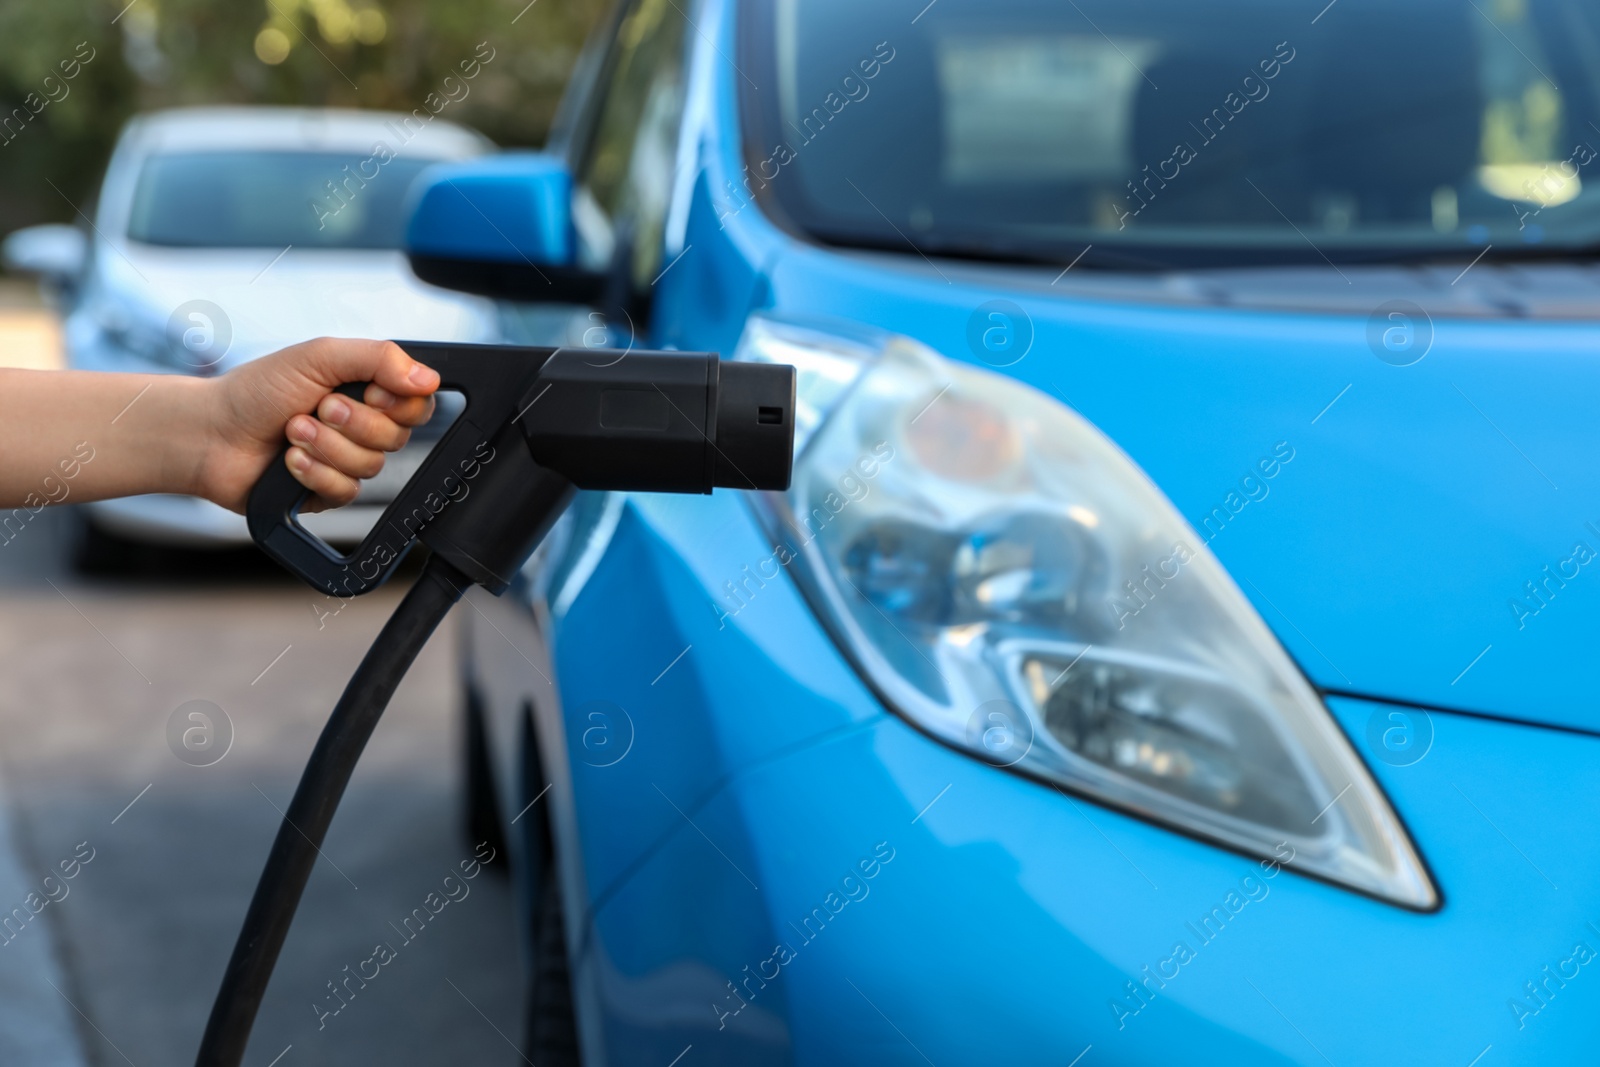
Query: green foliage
x=383 y=54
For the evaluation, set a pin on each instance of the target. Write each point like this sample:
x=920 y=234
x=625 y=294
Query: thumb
x=341 y=360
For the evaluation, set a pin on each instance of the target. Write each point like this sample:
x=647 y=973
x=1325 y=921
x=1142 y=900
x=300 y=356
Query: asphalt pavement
x=163 y=822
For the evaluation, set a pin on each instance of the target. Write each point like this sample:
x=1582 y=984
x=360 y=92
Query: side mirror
x=56 y=253
x=500 y=226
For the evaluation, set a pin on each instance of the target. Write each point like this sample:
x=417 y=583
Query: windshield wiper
x=993 y=249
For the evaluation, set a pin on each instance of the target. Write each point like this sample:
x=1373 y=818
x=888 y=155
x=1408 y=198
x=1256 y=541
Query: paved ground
x=90 y=672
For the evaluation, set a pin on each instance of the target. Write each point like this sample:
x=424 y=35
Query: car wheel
x=96 y=552
x=481 y=812
x=552 y=1034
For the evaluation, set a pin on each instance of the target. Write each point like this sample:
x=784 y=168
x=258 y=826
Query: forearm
x=77 y=435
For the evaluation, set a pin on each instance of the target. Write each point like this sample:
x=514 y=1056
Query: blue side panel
x=701 y=301
x=687 y=690
x=672 y=946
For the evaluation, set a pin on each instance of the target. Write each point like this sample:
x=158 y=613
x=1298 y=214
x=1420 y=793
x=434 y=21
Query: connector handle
x=492 y=378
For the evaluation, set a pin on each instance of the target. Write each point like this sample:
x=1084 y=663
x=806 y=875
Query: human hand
x=254 y=405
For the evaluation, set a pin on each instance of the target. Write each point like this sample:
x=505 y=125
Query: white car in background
x=222 y=234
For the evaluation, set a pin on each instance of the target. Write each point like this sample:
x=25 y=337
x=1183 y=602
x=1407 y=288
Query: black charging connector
x=670 y=422
x=539 y=424
x=700 y=420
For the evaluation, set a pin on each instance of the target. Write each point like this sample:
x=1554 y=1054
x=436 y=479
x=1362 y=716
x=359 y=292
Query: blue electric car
x=1178 y=643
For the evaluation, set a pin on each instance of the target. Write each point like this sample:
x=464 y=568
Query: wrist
x=189 y=439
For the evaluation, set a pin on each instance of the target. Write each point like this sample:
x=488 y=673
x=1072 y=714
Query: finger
x=363 y=425
x=338 y=360
x=330 y=489
x=407 y=411
x=331 y=448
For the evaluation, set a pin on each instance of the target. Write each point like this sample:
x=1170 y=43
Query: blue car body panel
x=1010 y=920
x=1015 y=924
x=700 y=695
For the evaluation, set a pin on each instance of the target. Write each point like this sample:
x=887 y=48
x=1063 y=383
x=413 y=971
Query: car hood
x=1435 y=538
x=271 y=299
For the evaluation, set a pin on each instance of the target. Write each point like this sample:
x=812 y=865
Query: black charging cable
x=305 y=823
x=539 y=424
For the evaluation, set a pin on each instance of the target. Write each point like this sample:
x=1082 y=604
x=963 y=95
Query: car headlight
x=192 y=340
x=1009 y=581
x=128 y=325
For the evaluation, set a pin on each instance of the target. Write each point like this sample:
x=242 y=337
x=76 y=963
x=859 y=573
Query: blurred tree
x=383 y=54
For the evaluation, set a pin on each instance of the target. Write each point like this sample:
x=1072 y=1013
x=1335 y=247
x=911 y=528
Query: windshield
x=1162 y=134
x=272 y=199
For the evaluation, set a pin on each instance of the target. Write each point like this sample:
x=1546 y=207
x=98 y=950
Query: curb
x=37 y=1024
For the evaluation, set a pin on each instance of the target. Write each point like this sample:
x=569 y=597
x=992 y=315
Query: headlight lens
x=1010 y=582
x=186 y=343
x=132 y=328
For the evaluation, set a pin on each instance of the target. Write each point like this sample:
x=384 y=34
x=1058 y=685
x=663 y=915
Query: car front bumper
x=1016 y=925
